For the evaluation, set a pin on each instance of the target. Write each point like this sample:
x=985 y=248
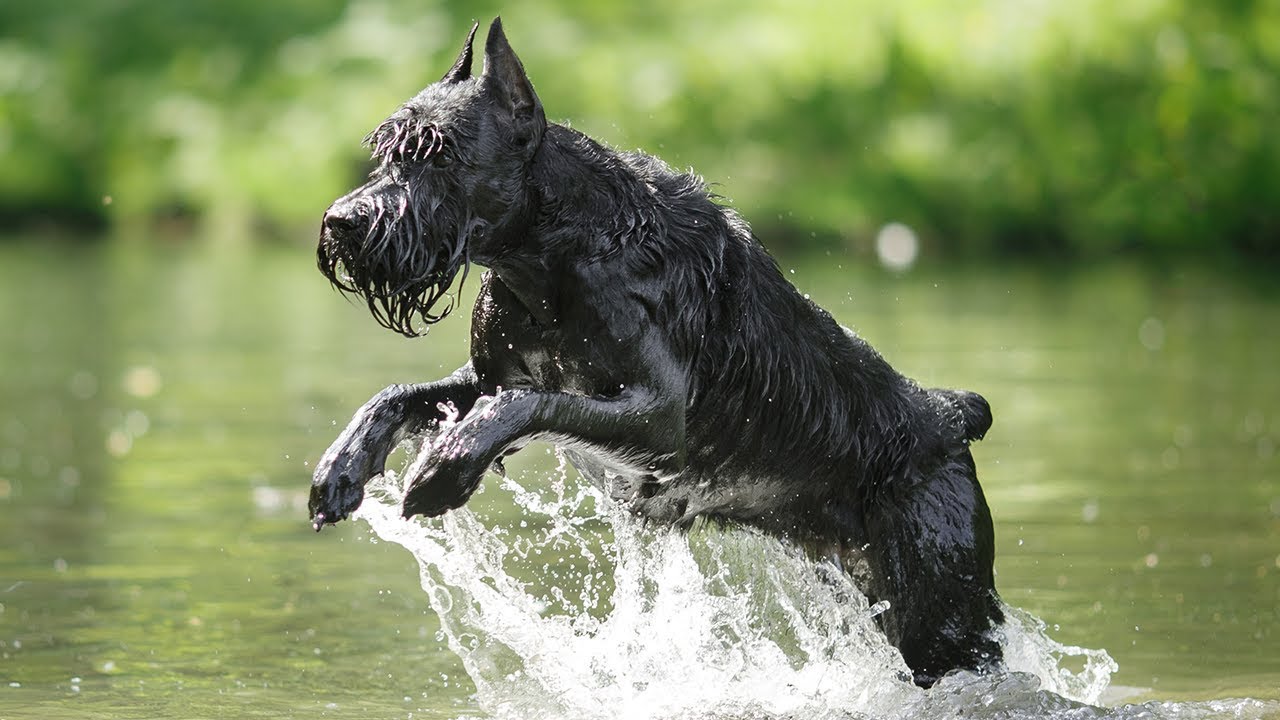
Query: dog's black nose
x=338 y=222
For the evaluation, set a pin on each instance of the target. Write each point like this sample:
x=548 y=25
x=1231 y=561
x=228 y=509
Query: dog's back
x=777 y=385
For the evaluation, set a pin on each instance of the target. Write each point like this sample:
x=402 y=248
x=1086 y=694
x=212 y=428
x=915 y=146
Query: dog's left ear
x=506 y=79
x=461 y=69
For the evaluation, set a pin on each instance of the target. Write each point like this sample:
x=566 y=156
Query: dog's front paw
x=337 y=487
x=443 y=478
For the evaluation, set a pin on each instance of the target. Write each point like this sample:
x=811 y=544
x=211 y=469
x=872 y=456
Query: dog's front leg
x=639 y=428
x=360 y=452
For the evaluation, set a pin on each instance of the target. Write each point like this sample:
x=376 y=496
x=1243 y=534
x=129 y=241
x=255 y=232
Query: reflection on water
x=161 y=405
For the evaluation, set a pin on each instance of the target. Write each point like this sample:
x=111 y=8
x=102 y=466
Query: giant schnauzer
x=631 y=319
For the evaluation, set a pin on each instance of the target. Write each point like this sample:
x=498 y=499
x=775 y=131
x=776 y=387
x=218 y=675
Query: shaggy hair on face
x=413 y=250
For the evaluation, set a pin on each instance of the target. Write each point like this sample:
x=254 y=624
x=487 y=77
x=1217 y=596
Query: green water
x=160 y=406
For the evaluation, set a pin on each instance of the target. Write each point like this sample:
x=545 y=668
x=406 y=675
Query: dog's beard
x=405 y=264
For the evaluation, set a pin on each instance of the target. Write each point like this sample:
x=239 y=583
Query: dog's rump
x=969 y=410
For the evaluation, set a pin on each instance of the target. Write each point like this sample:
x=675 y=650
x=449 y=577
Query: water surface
x=162 y=405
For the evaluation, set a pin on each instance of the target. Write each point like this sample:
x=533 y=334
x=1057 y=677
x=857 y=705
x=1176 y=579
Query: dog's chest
x=511 y=347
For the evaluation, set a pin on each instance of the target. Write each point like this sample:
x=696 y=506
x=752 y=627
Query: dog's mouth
x=403 y=275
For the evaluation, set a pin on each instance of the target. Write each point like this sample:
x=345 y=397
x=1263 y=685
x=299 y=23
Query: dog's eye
x=443 y=158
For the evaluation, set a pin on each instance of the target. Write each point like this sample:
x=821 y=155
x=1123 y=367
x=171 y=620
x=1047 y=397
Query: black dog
x=630 y=319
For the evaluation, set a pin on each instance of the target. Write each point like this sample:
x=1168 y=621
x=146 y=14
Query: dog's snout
x=346 y=216
x=339 y=221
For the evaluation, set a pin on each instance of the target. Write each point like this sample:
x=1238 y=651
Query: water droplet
x=142 y=381
x=1151 y=334
x=897 y=246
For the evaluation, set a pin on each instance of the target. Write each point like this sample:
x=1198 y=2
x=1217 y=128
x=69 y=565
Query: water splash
x=1029 y=649
x=580 y=612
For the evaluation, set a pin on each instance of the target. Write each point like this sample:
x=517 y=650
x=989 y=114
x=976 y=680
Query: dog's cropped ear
x=461 y=69
x=510 y=86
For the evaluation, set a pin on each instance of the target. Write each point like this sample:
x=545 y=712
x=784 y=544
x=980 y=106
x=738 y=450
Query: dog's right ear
x=461 y=69
x=504 y=74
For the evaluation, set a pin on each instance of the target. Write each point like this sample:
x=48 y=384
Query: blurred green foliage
x=992 y=127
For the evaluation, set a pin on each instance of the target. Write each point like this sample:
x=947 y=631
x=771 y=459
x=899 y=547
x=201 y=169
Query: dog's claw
x=318 y=522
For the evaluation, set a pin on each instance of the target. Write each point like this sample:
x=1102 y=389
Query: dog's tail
x=973 y=414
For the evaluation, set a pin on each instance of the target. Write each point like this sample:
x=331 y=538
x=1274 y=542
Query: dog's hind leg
x=931 y=549
x=360 y=452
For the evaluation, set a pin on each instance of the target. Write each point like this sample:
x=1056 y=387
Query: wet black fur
x=633 y=320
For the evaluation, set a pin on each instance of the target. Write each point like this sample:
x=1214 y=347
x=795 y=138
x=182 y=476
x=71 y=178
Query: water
x=720 y=624
x=717 y=624
x=162 y=405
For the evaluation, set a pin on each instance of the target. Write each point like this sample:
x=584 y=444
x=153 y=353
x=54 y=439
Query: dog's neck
x=527 y=267
x=570 y=180
x=585 y=196
x=569 y=171
x=532 y=285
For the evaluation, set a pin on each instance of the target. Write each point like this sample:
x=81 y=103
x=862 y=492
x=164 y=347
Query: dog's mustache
x=403 y=265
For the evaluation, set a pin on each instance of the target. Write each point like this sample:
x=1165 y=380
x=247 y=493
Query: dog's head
x=451 y=187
